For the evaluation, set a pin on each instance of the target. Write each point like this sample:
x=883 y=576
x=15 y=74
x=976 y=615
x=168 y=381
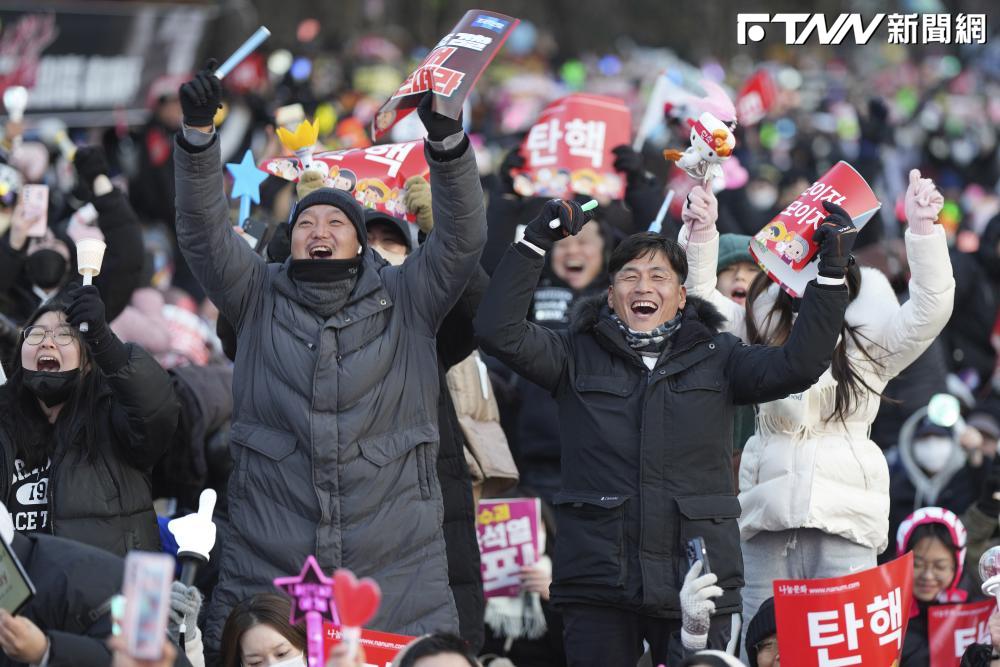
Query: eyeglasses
x=62 y=336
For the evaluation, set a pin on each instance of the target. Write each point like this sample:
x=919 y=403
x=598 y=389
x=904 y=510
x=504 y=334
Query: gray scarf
x=649 y=343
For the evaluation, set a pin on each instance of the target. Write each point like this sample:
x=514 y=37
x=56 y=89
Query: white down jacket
x=802 y=468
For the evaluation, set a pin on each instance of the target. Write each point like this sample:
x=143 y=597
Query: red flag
x=756 y=98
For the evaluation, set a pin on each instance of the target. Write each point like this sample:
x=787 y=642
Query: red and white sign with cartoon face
x=568 y=150
x=858 y=619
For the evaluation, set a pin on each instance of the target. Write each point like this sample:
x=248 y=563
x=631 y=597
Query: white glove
x=697 y=607
x=700 y=213
x=922 y=204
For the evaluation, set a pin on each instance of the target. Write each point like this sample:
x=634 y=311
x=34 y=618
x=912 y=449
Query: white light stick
x=589 y=206
x=989 y=572
x=89 y=257
x=657 y=224
x=15 y=99
x=241 y=53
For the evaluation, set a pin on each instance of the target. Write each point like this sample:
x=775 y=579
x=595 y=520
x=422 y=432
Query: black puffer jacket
x=107 y=502
x=646 y=453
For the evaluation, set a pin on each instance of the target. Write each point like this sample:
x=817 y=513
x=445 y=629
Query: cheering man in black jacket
x=646 y=388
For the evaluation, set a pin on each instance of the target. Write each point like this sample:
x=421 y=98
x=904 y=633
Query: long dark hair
x=261 y=609
x=34 y=438
x=777 y=326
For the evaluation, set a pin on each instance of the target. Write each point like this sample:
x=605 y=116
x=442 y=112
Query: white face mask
x=297 y=661
x=932 y=453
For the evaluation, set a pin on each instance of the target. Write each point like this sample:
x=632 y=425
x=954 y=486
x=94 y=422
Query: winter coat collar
x=367 y=298
x=700 y=322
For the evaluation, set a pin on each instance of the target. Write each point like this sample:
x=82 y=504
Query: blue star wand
x=246 y=184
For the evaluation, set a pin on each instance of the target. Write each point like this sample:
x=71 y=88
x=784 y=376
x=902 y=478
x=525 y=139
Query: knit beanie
x=343 y=200
x=713 y=658
x=763 y=625
x=402 y=226
x=733 y=248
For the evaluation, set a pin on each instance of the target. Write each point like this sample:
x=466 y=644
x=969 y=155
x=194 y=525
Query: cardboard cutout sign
x=858 y=619
x=450 y=70
x=568 y=150
x=510 y=537
x=952 y=628
x=785 y=247
x=375 y=175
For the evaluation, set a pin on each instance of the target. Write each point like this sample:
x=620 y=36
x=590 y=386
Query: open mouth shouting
x=643 y=309
x=48 y=363
x=739 y=295
x=320 y=251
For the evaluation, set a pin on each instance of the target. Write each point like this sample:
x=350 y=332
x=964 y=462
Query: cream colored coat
x=801 y=468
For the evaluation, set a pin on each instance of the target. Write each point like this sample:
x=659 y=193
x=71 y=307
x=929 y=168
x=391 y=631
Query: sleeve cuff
x=531 y=245
x=825 y=280
x=693 y=642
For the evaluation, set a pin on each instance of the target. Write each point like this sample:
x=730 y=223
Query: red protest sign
x=785 y=247
x=756 y=98
x=952 y=628
x=450 y=70
x=380 y=647
x=858 y=619
x=375 y=175
x=568 y=150
x=510 y=537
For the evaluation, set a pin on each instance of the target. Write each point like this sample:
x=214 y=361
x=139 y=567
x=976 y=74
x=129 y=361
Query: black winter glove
x=86 y=305
x=835 y=237
x=989 y=505
x=629 y=162
x=571 y=218
x=90 y=162
x=439 y=127
x=201 y=97
x=513 y=160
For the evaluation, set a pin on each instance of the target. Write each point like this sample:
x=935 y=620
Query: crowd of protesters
x=356 y=386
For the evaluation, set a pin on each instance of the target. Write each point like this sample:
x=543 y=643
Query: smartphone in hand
x=697 y=551
x=146 y=587
x=34 y=205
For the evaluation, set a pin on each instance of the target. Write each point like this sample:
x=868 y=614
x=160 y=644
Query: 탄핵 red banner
x=568 y=150
x=858 y=619
x=952 y=628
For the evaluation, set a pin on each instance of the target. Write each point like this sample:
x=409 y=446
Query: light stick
x=241 y=53
x=589 y=206
x=89 y=257
x=657 y=224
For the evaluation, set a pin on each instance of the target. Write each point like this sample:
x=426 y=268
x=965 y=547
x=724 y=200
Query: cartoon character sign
x=793 y=249
x=342 y=179
x=371 y=192
x=711 y=142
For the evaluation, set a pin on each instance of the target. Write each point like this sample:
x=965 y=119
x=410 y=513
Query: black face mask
x=51 y=387
x=46 y=268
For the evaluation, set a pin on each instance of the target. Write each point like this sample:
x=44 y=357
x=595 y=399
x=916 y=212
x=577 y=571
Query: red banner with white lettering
x=380 y=647
x=568 y=149
x=952 y=628
x=756 y=98
x=785 y=248
x=450 y=70
x=858 y=619
x=374 y=175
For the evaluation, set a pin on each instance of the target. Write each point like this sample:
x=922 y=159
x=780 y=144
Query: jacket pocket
x=713 y=518
x=269 y=442
x=590 y=548
x=604 y=384
x=381 y=450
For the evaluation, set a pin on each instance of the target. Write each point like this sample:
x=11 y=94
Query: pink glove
x=922 y=204
x=701 y=210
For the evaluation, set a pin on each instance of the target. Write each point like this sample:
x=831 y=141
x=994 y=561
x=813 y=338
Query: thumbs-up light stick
x=241 y=53
x=195 y=535
x=15 y=99
x=589 y=206
x=89 y=257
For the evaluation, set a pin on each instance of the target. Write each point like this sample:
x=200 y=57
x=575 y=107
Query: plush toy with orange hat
x=711 y=142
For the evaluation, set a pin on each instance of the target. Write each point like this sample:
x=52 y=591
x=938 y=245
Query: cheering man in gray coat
x=335 y=387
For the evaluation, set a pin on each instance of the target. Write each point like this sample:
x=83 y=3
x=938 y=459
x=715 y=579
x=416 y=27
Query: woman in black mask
x=83 y=419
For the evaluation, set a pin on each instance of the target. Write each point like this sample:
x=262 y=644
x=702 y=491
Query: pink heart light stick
x=312 y=596
x=357 y=602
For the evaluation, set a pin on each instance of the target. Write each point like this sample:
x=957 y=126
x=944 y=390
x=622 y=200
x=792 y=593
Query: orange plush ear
x=722 y=148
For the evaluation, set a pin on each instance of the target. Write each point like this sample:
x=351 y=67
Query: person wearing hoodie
x=762 y=637
x=645 y=387
x=937 y=540
x=336 y=379
x=814 y=489
x=33 y=270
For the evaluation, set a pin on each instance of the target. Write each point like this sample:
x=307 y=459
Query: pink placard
x=510 y=537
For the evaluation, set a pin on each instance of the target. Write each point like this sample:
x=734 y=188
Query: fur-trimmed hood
x=588 y=311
